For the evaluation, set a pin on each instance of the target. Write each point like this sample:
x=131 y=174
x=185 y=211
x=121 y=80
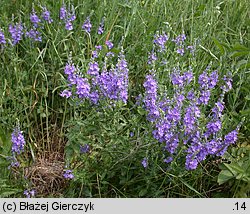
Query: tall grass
x=32 y=77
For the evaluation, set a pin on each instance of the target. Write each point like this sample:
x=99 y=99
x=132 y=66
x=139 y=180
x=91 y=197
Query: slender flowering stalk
x=228 y=83
x=16 y=32
x=150 y=100
x=14 y=162
x=63 y=12
x=34 y=35
x=110 y=54
x=66 y=93
x=84 y=149
x=68 y=25
x=68 y=16
x=109 y=44
x=101 y=27
x=82 y=87
x=34 y=18
x=68 y=174
x=160 y=41
x=87 y=25
x=179 y=40
x=18 y=141
x=152 y=57
x=2 y=38
x=93 y=69
x=29 y=193
x=71 y=14
x=46 y=15
x=168 y=160
x=144 y=162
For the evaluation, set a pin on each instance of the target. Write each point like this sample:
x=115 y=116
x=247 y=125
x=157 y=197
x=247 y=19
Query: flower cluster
x=84 y=149
x=144 y=162
x=101 y=28
x=160 y=41
x=18 y=141
x=33 y=33
x=98 y=83
x=150 y=100
x=179 y=122
x=68 y=16
x=68 y=174
x=2 y=38
x=87 y=25
x=46 y=15
x=29 y=193
x=179 y=41
x=16 y=31
x=35 y=20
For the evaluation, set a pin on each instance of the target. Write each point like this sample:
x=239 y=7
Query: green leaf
x=239 y=54
x=190 y=187
x=8 y=192
x=244 y=66
x=245 y=112
x=218 y=44
x=143 y=192
x=141 y=111
x=224 y=176
x=239 y=47
x=234 y=168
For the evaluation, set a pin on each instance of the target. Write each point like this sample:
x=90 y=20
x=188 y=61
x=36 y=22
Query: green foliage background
x=31 y=77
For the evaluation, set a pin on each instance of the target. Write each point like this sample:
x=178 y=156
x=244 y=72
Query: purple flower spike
x=66 y=93
x=68 y=174
x=82 y=87
x=63 y=13
x=204 y=80
x=87 y=25
x=46 y=15
x=94 y=97
x=84 y=149
x=2 y=38
x=179 y=39
x=204 y=97
x=150 y=100
x=18 y=141
x=151 y=58
x=100 y=29
x=26 y=193
x=109 y=44
x=32 y=192
x=160 y=41
x=68 y=26
x=228 y=83
x=34 y=18
x=191 y=163
x=34 y=35
x=144 y=162
x=16 y=32
x=180 y=51
x=93 y=69
x=231 y=137
x=168 y=160
x=213 y=79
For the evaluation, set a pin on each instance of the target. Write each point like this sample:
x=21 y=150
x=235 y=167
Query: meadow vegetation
x=124 y=98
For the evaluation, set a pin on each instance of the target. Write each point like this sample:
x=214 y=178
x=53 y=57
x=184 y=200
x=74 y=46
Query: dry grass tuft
x=46 y=174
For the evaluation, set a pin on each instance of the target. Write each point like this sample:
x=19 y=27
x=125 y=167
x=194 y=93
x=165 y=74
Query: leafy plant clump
x=104 y=111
